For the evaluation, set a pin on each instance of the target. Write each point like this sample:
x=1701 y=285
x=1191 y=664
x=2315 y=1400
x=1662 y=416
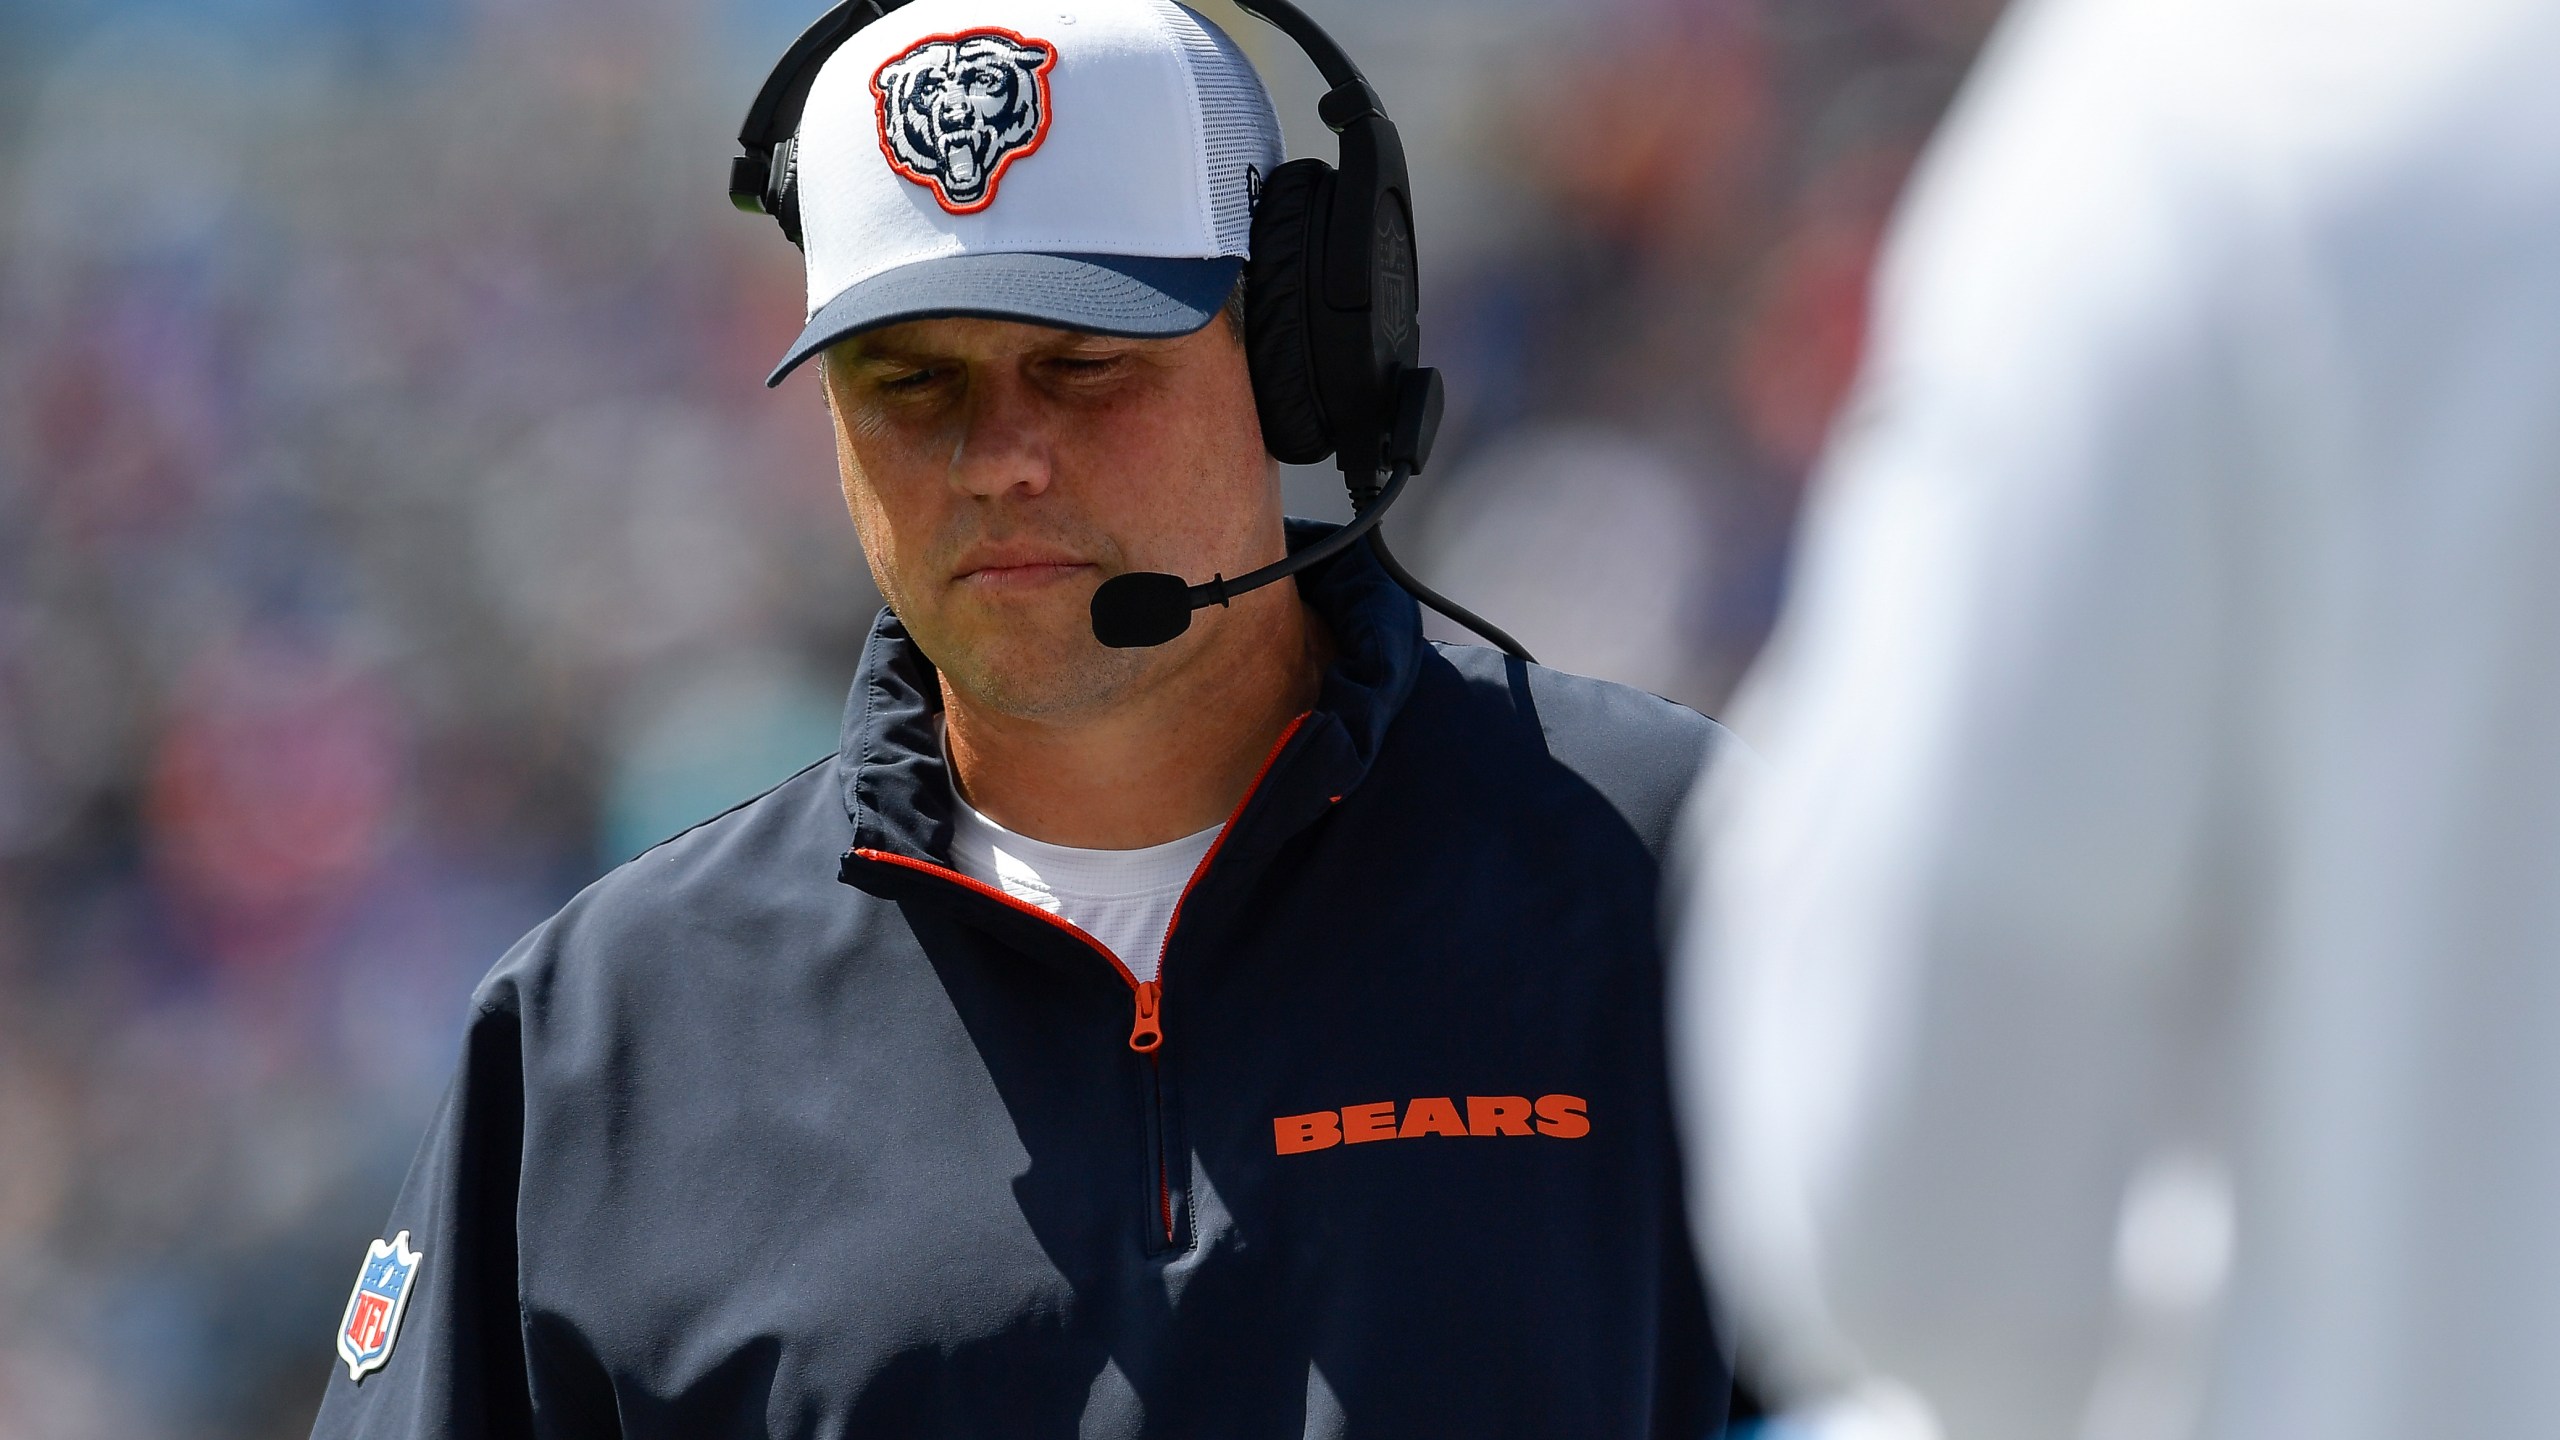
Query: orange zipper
x=1146 y=1031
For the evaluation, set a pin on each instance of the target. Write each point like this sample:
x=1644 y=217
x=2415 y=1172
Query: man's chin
x=1040 y=671
x=1022 y=625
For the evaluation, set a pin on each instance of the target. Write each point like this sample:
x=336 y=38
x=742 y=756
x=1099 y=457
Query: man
x=2126 y=1006
x=1256 y=1035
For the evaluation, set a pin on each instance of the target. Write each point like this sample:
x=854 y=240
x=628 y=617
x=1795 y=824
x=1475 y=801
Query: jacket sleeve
x=456 y=1366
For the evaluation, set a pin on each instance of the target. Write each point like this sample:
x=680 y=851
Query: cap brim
x=1139 y=296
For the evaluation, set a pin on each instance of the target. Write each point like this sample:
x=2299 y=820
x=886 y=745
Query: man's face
x=999 y=472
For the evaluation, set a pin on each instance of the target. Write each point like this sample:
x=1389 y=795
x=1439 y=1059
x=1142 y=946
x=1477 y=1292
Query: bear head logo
x=955 y=110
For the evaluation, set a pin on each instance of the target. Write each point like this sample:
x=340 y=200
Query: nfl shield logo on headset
x=373 y=1313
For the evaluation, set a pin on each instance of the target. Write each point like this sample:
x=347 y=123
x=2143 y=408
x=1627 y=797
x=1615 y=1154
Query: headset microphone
x=1146 y=607
x=1141 y=608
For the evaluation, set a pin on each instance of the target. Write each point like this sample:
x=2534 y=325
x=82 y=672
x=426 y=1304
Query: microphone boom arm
x=1219 y=588
x=1138 y=608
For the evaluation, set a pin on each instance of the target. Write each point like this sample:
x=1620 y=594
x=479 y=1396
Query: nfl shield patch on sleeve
x=373 y=1313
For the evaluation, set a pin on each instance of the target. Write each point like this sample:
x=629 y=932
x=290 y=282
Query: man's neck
x=1169 y=762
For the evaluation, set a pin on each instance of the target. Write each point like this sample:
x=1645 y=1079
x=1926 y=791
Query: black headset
x=1331 y=300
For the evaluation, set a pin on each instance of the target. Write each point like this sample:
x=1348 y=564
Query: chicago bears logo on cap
x=955 y=110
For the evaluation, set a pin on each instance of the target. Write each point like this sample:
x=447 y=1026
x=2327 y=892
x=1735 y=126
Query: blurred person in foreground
x=1254 y=1034
x=2125 y=1004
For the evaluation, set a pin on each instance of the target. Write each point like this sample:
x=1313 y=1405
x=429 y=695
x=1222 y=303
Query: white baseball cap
x=1087 y=164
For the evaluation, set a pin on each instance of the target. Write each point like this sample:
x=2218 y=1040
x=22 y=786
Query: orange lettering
x=1432 y=1115
x=1294 y=1133
x=1561 y=1116
x=1498 y=1114
x=1368 y=1122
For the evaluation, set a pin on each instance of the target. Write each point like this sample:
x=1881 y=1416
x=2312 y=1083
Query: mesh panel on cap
x=1238 y=128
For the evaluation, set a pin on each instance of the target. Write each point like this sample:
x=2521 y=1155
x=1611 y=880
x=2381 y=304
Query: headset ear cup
x=1279 y=286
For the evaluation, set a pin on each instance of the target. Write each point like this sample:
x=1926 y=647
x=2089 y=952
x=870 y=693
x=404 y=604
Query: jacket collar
x=892 y=772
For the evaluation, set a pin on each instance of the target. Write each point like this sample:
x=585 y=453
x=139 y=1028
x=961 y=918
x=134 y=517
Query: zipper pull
x=1148 y=1032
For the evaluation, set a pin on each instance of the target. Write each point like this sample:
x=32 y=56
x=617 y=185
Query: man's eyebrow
x=1077 y=339
x=861 y=352
x=1080 y=340
x=864 y=350
x=873 y=362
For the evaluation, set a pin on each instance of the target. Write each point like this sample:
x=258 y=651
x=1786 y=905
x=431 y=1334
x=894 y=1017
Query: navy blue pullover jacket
x=786 y=1129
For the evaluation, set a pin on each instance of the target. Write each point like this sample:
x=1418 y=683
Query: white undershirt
x=1123 y=898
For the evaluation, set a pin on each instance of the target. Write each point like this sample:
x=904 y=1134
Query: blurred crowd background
x=395 y=533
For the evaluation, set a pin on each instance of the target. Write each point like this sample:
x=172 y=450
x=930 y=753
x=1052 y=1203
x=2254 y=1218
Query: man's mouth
x=1020 y=577
x=1018 y=567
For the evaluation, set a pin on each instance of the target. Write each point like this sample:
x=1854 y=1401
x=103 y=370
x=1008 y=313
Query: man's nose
x=1004 y=444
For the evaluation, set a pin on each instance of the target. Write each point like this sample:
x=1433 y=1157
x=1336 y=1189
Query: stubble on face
x=1109 y=455
x=1033 y=662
